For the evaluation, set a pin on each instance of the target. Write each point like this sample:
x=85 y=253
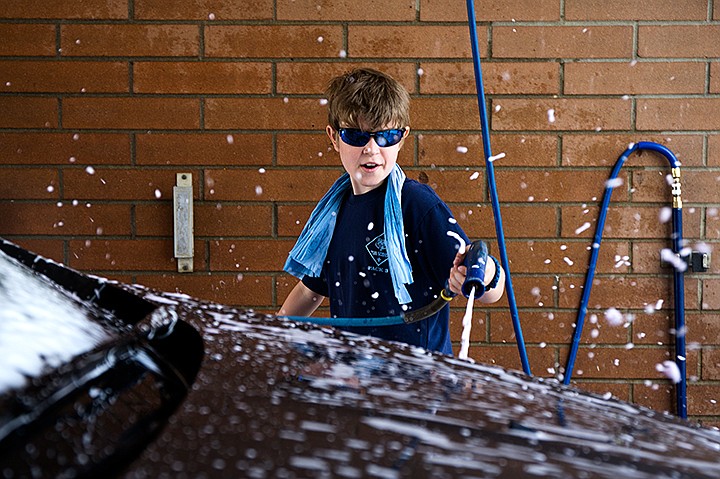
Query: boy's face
x=369 y=165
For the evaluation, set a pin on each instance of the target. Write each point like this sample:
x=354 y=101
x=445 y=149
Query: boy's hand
x=458 y=272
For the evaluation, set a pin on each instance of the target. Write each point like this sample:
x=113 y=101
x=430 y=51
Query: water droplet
x=614 y=317
x=614 y=183
x=551 y=115
x=665 y=214
x=670 y=370
x=582 y=228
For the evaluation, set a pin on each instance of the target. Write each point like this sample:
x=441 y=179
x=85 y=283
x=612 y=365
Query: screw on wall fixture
x=183 y=222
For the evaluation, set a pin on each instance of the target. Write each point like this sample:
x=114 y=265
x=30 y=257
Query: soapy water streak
x=670 y=370
x=467 y=319
x=461 y=248
x=467 y=326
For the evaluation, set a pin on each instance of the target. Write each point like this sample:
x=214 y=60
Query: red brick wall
x=104 y=101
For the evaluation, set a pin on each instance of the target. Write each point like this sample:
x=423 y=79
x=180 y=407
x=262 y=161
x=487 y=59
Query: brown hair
x=367 y=96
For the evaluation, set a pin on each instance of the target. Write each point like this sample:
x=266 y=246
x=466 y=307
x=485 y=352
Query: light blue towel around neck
x=308 y=254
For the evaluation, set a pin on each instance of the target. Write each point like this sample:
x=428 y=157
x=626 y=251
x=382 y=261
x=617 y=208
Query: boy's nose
x=371 y=146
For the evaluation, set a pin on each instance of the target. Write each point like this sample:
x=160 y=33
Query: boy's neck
x=381 y=186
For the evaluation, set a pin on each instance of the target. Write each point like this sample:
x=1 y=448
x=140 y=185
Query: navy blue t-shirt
x=356 y=278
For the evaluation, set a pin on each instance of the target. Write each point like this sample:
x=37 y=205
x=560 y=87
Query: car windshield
x=41 y=325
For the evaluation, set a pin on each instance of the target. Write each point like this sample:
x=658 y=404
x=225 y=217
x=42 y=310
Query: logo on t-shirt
x=378 y=249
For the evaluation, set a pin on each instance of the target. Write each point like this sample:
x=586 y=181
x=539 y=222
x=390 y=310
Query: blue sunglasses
x=383 y=138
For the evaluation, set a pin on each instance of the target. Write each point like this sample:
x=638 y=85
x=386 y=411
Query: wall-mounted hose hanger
x=183 y=222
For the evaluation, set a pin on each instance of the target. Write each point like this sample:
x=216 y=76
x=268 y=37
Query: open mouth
x=369 y=166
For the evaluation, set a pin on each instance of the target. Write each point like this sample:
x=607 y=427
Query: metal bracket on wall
x=697 y=262
x=183 y=222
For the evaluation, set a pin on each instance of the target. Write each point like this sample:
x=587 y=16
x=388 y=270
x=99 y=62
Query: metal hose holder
x=183 y=237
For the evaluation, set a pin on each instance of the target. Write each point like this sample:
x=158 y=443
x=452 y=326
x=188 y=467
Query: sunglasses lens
x=354 y=137
x=388 y=137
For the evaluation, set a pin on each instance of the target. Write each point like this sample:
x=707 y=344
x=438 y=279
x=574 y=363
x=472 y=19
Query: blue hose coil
x=678 y=276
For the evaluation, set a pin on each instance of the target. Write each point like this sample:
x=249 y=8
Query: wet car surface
x=268 y=397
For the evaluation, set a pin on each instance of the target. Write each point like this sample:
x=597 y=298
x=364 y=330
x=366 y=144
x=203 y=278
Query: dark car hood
x=240 y=394
x=281 y=399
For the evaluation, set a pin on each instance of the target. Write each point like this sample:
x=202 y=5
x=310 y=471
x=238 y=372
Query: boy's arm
x=457 y=278
x=302 y=301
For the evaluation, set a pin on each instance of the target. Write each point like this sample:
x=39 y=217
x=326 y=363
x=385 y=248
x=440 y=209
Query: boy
x=378 y=244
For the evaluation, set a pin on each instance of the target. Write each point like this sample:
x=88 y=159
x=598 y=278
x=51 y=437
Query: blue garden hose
x=492 y=187
x=475 y=261
x=679 y=282
x=349 y=322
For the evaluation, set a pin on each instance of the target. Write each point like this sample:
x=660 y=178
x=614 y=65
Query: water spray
x=476 y=258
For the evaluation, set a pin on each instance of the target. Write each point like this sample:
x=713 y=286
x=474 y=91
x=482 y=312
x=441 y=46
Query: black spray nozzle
x=475 y=262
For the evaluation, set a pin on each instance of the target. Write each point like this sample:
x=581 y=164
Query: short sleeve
x=316 y=284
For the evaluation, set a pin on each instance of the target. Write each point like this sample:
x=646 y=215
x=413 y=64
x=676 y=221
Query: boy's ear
x=405 y=135
x=332 y=134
